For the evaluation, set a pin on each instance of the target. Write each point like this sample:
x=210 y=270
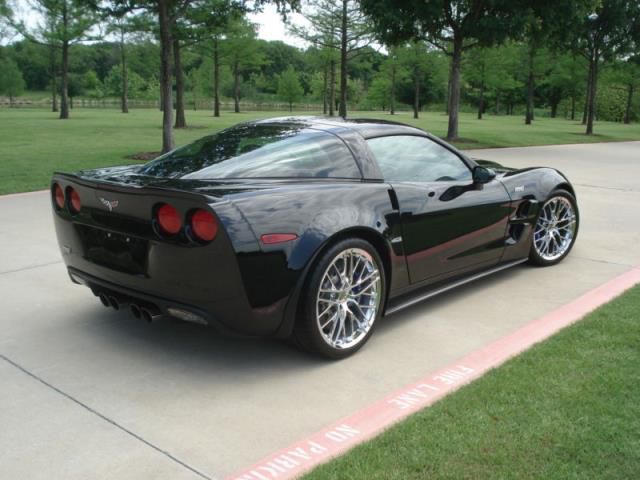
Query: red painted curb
x=21 y=194
x=344 y=434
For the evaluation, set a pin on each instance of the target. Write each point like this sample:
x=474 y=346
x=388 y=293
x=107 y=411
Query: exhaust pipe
x=104 y=300
x=113 y=301
x=135 y=311
x=149 y=315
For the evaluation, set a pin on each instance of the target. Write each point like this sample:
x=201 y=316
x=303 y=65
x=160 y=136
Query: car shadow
x=204 y=351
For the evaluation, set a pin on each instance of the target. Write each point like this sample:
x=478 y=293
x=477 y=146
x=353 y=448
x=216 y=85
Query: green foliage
x=379 y=94
x=289 y=88
x=137 y=87
x=11 y=81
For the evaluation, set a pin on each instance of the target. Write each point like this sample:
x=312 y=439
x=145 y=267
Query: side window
x=406 y=158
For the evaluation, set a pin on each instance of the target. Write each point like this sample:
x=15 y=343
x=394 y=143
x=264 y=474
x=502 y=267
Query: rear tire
x=342 y=300
x=555 y=230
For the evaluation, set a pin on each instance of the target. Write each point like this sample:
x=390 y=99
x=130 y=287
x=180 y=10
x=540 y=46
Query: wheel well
x=369 y=235
x=567 y=187
x=375 y=239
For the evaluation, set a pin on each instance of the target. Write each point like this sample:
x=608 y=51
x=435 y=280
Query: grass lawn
x=34 y=143
x=569 y=408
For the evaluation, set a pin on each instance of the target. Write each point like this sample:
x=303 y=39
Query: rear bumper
x=155 y=305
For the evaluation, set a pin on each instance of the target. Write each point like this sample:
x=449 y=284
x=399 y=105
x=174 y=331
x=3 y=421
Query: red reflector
x=204 y=225
x=169 y=219
x=58 y=195
x=74 y=197
x=270 y=238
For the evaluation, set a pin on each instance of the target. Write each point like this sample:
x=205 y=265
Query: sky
x=269 y=22
x=271 y=26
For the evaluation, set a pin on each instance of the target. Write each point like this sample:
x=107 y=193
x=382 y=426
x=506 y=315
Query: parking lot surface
x=88 y=392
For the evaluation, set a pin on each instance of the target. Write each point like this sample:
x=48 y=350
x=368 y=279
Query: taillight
x=58 y=195
x=74 y=201
x=204 y=225
x=169 y=219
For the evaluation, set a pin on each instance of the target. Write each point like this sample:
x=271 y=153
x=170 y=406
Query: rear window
x=258 y=151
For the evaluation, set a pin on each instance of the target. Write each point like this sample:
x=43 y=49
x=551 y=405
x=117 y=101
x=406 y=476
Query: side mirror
x=483 y=175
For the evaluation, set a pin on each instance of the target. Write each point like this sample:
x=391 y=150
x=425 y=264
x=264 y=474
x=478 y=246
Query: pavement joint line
x=618 y=189
x=607 y=262
x=31 y=267
x=344 y=434
x=105 y=418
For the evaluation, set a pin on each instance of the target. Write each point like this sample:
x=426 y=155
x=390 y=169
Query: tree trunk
x=124 y=100
x=236 y=87
x=591 y=111
x=181 y=121
x=392 y=99
x=54 y=78
x=325 y=81
x=573 y=107
x=587 y=93
x=216 y=78
x=498 y=104
x=554 y=108
x=448 y=99
x=64 y=93
x=165 y=76
x=454 y=97
x=332 y=88
x=416 y=94
x=530 y=86
x=342 y=110
x=627 y=110
x=481 y=101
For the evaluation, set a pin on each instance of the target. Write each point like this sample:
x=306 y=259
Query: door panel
x=451 y=226
x=449 y=222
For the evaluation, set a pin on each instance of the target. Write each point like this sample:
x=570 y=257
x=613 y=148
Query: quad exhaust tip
x=104 y=300
x=148 y=314
x=113 y=301
x=135 y=311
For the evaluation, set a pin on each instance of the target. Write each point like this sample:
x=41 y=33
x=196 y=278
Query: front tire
x=555 y=230
x=342 y=301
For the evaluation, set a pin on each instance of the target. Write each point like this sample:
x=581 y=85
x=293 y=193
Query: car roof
x=366 y=127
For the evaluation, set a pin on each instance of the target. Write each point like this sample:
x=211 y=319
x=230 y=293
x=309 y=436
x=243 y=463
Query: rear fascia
x=203 y=278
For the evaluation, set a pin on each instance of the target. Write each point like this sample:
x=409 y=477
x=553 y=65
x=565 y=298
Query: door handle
x=431 y=194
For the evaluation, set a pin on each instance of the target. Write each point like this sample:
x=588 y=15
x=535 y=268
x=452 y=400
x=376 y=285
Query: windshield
x=258 y=151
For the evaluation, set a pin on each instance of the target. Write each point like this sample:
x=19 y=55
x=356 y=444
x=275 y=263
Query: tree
x=241 y=51
x=289 y=88
x=122 y=26
x=337 y=25
x=415 y=59
x=63 y=23
x=608 y=31
x=11 y=81
x=5 y=17
x=630 y=76
x=395 y=72
x=451 y=25
x=380 y=92
x=210 y=22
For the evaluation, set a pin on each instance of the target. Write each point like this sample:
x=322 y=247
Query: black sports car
x=302 y=227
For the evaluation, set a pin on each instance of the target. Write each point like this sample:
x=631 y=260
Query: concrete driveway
x=87 y=392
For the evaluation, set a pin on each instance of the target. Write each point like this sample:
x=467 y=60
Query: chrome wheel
x=348 y=298
x=555 y=229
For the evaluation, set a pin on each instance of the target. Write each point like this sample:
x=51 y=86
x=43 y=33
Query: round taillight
x=74 y=201
x=204 y=225
x=58 y=195
x=169 y=219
